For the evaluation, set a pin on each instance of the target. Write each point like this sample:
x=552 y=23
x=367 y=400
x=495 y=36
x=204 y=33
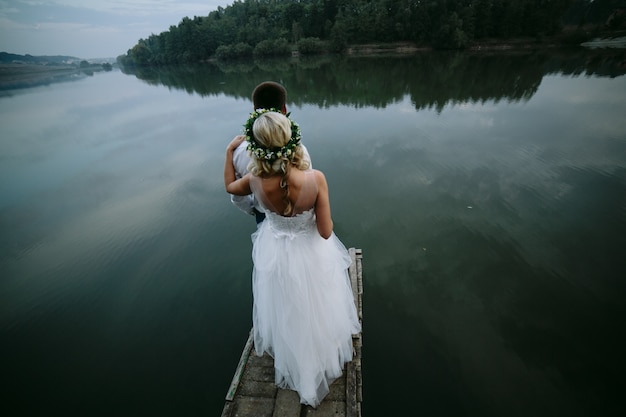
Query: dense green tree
x=237 y=51
x=449 y=24
x=311 y=46
x=272 y=48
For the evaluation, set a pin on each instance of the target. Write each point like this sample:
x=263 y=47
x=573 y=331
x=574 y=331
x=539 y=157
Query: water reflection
x=492 y=221
x=431 y=80
x=14 y=77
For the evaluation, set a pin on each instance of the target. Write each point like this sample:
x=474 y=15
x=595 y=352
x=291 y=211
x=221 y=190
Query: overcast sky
x=90 y=28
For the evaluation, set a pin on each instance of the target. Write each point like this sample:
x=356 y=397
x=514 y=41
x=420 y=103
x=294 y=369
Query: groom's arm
x=241 y=160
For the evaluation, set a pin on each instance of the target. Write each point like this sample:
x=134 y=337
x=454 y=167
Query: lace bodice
x=291 y=227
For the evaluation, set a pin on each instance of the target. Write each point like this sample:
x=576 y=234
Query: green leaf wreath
x=271 y=154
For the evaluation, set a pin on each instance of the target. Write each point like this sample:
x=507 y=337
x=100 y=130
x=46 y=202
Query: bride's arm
x=231 y=183
x=322 y=207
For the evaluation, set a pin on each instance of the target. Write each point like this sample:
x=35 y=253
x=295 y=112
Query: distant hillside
x=7 y=58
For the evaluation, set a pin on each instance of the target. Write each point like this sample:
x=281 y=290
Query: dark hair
x=269 y=95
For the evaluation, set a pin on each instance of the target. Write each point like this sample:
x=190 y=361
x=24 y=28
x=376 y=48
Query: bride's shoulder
x=319 y=176
x=314 y=172
x=313 y=175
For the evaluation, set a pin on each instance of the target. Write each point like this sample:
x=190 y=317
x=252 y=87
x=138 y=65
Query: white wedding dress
x=304 y=313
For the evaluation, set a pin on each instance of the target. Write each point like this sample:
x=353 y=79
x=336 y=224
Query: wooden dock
x=252 y=392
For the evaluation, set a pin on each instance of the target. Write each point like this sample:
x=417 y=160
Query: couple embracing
x=304 y=313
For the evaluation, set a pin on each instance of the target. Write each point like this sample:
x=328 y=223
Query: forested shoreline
x=249 y=28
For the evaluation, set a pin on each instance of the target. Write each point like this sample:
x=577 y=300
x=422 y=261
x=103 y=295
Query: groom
x=267 y=95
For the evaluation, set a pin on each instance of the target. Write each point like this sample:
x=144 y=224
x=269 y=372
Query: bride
x=304 y=313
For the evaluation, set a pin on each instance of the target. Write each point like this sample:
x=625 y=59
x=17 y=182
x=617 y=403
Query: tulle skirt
x=304 y=313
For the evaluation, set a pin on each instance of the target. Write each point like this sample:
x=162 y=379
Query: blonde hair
x=273 y=130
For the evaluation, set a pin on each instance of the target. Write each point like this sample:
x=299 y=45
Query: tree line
x=277 y=27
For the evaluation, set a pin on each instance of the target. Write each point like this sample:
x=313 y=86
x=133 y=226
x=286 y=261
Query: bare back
x=302 y=191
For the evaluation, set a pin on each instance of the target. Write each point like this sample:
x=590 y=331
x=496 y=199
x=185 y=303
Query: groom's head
x=270 y=95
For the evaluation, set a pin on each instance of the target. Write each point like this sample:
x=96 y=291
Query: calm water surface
x=488 y=194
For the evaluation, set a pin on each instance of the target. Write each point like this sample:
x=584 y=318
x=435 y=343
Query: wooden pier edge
x=252 y=391
x=240 y=367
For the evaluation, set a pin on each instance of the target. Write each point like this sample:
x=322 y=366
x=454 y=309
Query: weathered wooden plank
x=359 y=284
x=265 y=360
x=287 y=404
x=240 y=368
x=253 y=407
x=228 y=409
x=356 y=361
x=359 y=382
x=257 y=389
x=352 y=274
x=258 y=373
x=327 y=409
x=351 y=402
x=337 y=389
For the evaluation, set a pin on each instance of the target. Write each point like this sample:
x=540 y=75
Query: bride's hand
x=235 y=142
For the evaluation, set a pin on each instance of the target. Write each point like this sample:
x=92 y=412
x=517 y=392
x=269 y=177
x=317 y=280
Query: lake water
x=488 y=193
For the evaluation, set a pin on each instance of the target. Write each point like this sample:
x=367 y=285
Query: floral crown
x=271 y=154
